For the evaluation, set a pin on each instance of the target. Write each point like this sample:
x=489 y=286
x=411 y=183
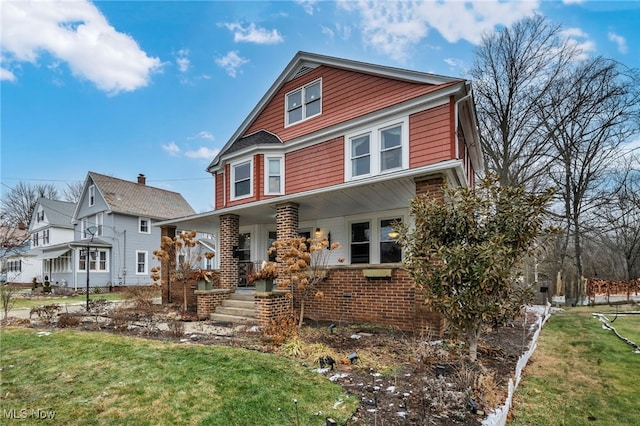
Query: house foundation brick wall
x=269 y=306
x=229 y=237
x=209 y=300
x=394 y=301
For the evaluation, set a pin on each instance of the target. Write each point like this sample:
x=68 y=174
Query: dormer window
x=303 y=103
x=92 y=195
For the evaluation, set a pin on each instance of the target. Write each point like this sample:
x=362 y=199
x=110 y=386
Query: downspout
x=124 y=260
x=456 y=121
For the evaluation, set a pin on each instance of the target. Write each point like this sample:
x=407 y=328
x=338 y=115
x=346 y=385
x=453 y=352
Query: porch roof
x=362 y=196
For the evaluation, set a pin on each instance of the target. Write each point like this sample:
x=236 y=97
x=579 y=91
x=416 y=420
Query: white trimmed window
x=141 y=262
x=144 y=225
x=99 y=224
x=98 y=260
x=303 y=103
x=390 y=250
x=273 y=175
x=92 y=195
x=377 y=150
x=241 y=178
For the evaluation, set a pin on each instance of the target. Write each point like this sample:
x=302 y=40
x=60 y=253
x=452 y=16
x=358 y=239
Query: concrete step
x=240 y=312
x=244 y=304
x=249 y=297
x=234 y=319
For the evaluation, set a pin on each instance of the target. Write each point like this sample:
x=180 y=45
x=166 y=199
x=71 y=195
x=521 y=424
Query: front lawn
x=581 y=373
x=102 y=379
x=61 y=300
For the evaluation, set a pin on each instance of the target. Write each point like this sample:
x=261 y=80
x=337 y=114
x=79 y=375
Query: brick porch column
x=229 y=235
x=431 y=184
x=166 y=231
x=286 y=220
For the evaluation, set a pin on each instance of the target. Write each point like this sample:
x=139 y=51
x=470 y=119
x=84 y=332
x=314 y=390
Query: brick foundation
x=350 y=297
x=209 y=300
x=271 y=305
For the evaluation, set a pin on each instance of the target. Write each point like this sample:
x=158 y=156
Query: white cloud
x=182 y=60
x=78 y=34
x=307 y=5
x=171 y=148
x=395 y=27
x=579 y=40
x=572 y=1
x=620 y=41
x=231 y=62
x=254 y=34
x=7 y=75
x=203 y=135
x=203 y=152
x=341 y=31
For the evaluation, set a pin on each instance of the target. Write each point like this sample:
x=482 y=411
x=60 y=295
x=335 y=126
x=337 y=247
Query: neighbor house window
x=98 y=260
x=360 y=242
x=390 y=251
x=303 y=103
x=241 y=177
x=36 y=240
x=45 y=236
x=377 y=150
x=141 y=262
x=92 y=195
x=144 y=225
x=274 y=171
x=99 y=223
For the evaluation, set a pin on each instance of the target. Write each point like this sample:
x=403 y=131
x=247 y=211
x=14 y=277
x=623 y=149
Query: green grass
x=581 y=374
x=30 y=303
x=105 y=379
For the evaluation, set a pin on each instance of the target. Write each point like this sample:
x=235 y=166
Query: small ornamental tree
x=464 y=252
x=303 y=265
x=183 y=255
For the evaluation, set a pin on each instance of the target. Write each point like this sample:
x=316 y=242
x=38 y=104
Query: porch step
x=239 y=308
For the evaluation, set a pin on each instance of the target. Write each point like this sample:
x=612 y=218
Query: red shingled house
x=338 y=148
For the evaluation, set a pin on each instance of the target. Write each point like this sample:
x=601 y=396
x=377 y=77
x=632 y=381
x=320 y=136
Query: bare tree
x=19 y=203
x=513 y=70
x=619 y=215
x=73 y=191
x=586 y=116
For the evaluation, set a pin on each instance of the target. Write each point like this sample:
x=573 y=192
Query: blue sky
x=154 y=87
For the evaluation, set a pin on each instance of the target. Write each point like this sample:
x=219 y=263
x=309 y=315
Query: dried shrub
x=141 y=297
x=176 y=328
x=68 y=321
x=45 y=312
x=487 y=391
x=279 y=329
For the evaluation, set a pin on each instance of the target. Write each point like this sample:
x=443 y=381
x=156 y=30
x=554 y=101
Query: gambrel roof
x=138 y=199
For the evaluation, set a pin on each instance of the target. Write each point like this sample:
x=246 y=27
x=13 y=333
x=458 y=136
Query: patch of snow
x=391 y=389
x=402 y=414
x=338 y=376
x=44 y=333
x=355 y=336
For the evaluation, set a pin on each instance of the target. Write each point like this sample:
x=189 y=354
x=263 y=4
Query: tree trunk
x=301 y=312
x=473 y=335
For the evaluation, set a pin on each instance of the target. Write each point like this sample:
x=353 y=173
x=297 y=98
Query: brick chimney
x=141 y=179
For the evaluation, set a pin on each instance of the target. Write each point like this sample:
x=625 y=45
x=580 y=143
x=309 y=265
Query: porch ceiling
x=376 y=196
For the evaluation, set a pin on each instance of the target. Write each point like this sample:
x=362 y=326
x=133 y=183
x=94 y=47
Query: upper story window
x=303 y=103
x=40 y=216
x=144 y=225
x=36 y=240
x=274 y=172
x=99 y=224
x=241 y=177
x=92 y=195
x=377 y=150
x=45 y=236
